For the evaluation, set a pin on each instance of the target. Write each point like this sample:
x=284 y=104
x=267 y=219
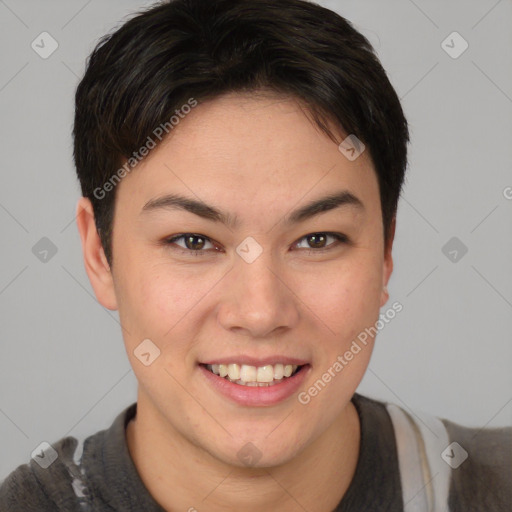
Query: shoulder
x=21 y=491
x=46 y=483
x=457 y=468
x=71 y=474
x=483 y=479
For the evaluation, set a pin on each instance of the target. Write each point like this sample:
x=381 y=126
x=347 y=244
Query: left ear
x=95 y=262
x=388 y=263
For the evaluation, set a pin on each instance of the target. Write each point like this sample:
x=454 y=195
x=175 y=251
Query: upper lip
x=257 y=361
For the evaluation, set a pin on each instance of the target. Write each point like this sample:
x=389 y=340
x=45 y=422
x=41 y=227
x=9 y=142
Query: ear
x=388 y=263
x=95 y=261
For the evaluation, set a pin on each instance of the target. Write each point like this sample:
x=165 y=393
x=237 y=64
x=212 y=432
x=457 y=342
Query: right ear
x=95 y=261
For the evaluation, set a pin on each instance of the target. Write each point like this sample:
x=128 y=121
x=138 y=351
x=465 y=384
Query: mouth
x=255 y=376
x=270 y=383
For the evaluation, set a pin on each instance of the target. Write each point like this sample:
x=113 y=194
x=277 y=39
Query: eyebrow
x=342 y=198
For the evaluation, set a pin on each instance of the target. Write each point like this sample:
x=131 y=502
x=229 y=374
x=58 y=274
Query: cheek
x=149 y=300
x=155 y=306
x=346 y=298
x=349 y=305
x=364 y=295
x=167 y=305
x=162 y=298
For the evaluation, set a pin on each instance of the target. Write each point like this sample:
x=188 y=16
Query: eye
x=318 y=240
x=192 y=245
x=195 y=243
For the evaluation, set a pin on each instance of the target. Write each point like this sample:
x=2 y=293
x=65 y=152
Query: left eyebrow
x=342 y=198
x=339 y=199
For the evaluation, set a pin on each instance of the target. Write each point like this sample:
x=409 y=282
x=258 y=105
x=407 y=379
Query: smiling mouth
x=256 y=376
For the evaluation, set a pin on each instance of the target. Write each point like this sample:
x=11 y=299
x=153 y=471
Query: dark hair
x=138 y=76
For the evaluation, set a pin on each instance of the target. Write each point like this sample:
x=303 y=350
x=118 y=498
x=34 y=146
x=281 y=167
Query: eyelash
x=339 y=237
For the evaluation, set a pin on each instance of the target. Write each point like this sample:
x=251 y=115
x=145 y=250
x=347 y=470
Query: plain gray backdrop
x=63 y=367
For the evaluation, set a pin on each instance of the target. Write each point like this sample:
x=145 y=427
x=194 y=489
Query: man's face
x=265 y=291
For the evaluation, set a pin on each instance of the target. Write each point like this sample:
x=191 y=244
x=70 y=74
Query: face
x=255 y=283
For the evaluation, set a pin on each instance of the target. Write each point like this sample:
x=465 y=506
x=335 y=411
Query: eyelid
x=340 y=238
x=171 y=240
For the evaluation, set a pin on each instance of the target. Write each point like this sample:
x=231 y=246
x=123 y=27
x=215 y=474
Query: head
x=239 y=108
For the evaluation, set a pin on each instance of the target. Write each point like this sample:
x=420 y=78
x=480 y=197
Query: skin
x=259 y=158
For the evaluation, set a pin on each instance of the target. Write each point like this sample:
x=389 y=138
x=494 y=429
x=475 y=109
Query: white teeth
x=248 y=373
x=253 y=375
x=278 y=371
x=265 y=374
x=257 y=384
x=234 y=371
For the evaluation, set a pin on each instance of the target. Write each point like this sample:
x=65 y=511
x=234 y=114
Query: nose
x=256 y=299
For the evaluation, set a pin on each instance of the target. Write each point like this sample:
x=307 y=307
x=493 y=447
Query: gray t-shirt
x=98 y=474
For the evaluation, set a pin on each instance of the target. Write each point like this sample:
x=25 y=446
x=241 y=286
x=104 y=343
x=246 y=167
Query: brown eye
x=318 y=241
x=193 y=243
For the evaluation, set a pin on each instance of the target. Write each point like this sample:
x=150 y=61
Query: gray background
x=63 y=368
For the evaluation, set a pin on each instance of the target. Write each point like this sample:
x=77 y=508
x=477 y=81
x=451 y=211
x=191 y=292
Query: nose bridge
x=258 y=298
x=255 y=271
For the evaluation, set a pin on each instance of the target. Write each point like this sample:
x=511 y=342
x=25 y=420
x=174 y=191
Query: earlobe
x=384 y=296
x=388 y=263
x=95 y=261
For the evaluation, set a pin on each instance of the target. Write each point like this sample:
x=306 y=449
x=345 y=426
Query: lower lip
x=254 y=396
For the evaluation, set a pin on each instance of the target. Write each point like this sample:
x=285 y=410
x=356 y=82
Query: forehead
x=244 y=149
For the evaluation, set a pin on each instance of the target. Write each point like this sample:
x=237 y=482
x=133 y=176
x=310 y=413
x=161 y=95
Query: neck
x=315 y=480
